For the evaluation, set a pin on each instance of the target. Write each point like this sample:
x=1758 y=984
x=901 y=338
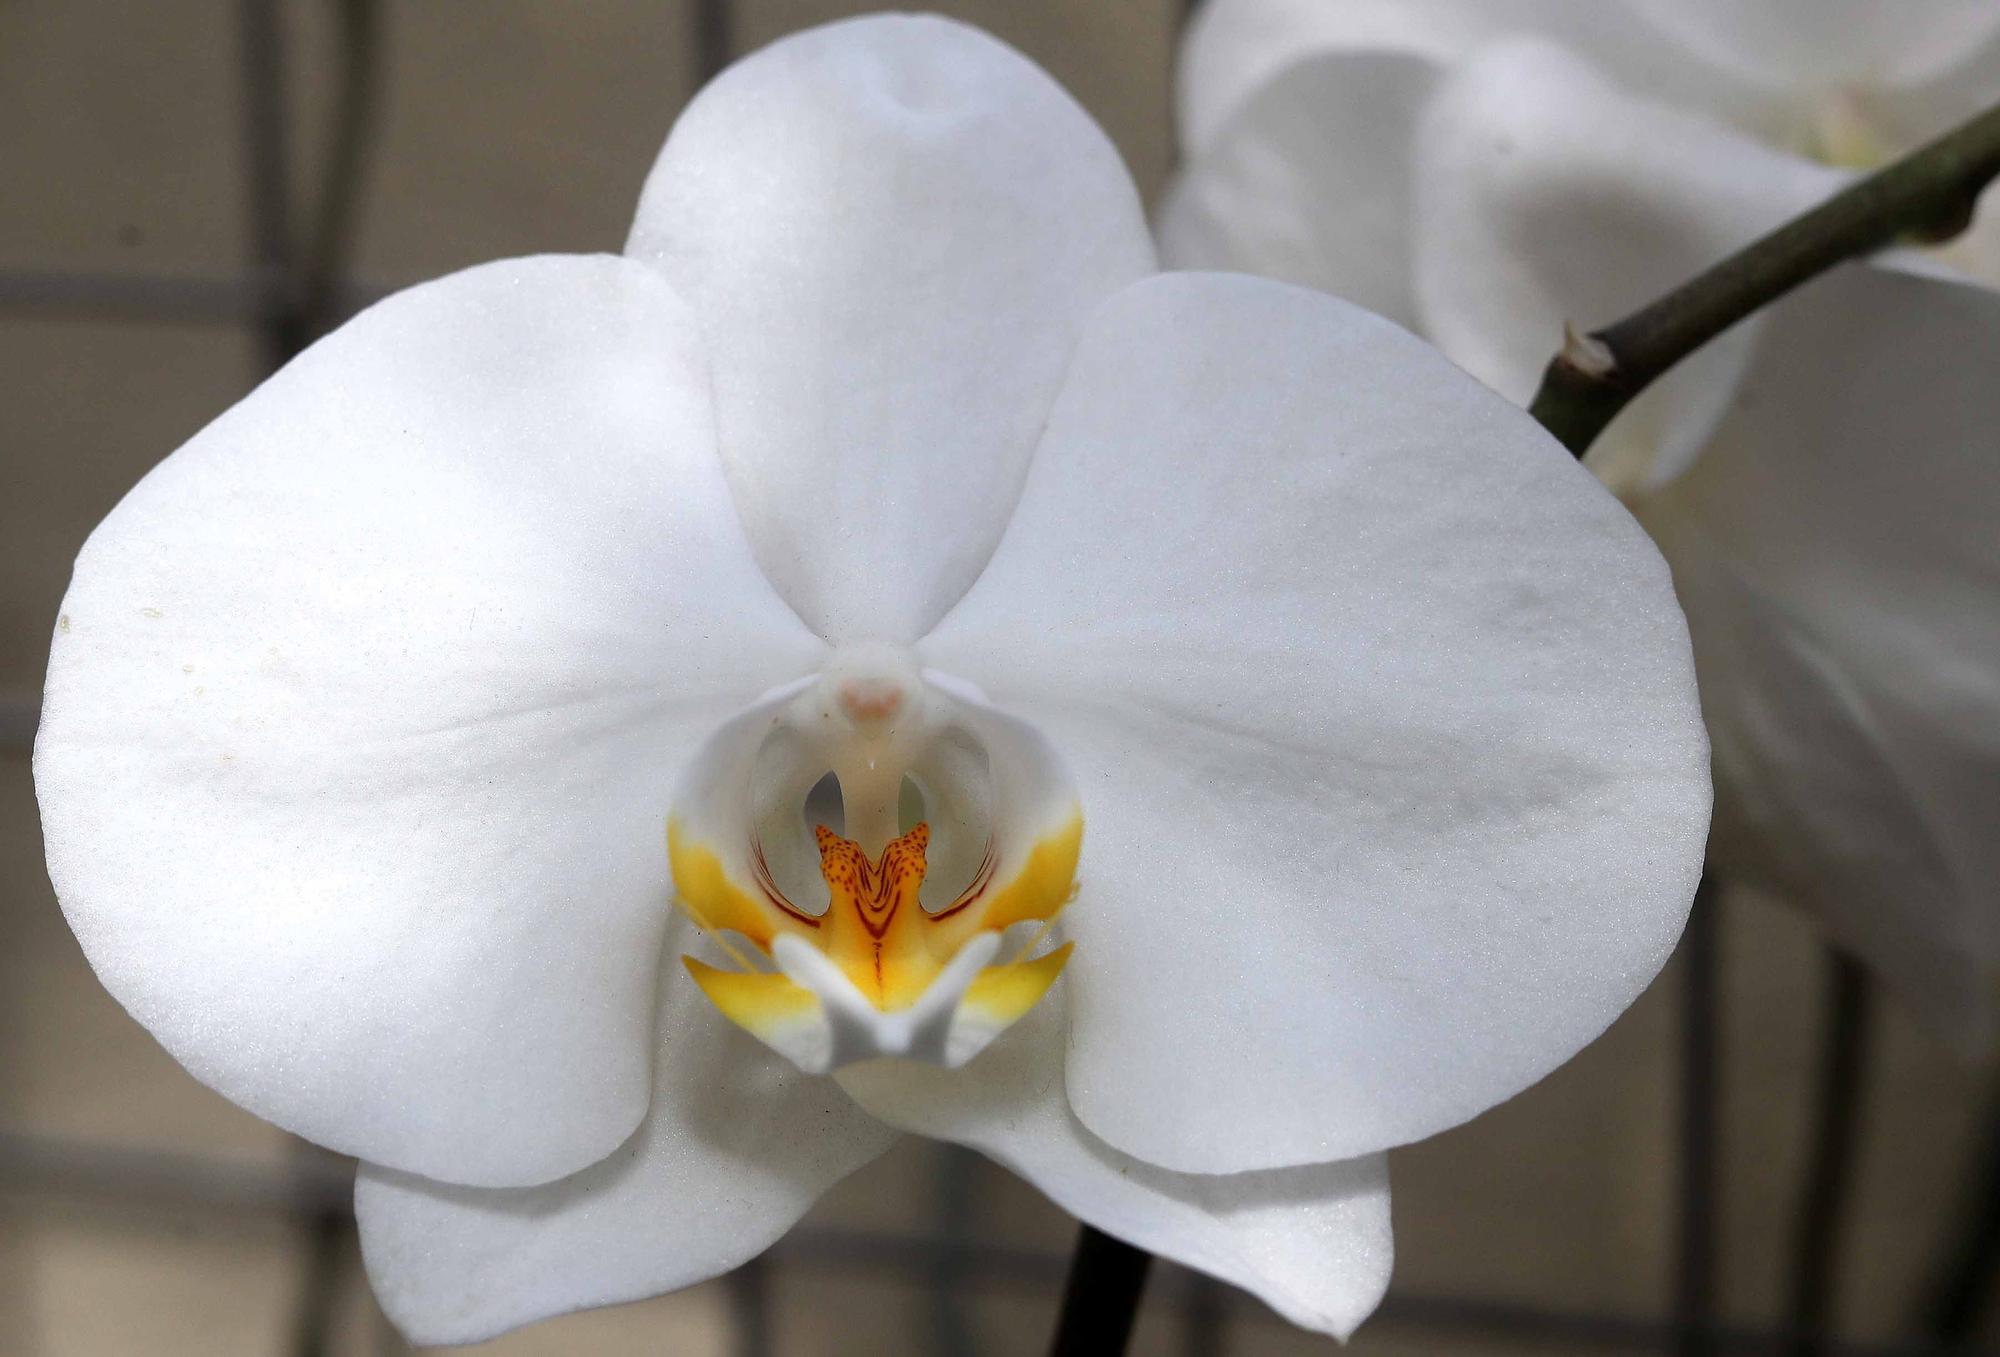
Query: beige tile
x=1922 y=1108
x=838 y=1314
x=1557 y=1195
x=1408 y=1340
x=118 y=131
x=898 y=1194
x=1017 y=1321
x=86 y=409
x=77 y=1067
x=517 y=128
x=100 y=1278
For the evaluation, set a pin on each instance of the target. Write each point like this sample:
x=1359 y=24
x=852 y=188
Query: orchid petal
x=1820 y=43
x=893 y=229
x=363 y=708
x=1837 y=554
x=736 y=1148
x=1235 y=48
x=1313 y=1243
x=1311 y=182
x=1383 y=718
x=1547 y=197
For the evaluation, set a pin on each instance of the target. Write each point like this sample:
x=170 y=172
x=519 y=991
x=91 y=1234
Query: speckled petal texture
x=1837 y=551
x=1382 y=714
x=1312 y=1243
x=892 y=229
x=364 y=705
x=738 y=1145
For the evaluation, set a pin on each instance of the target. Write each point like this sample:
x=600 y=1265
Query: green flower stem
x=1928 y=196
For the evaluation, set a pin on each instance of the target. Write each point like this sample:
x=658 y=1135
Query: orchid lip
x=888 y=944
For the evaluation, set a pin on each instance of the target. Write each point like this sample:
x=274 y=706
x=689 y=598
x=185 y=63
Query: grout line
x=195 y=300
x=319 y=1182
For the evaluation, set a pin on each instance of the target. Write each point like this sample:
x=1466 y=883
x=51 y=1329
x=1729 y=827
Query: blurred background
x=188 y=191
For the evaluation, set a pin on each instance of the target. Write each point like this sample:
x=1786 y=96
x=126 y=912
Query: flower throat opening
x=872 y=836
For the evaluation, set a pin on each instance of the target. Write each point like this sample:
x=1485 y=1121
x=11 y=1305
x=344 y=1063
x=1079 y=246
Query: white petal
x=1913 y=112
x=1812 y=44
x=1837 y=552
x=1311 y=182
x=1313 y=1243
x=1383 y=718
x=892 y=228
x=1546 y=196
x=1234 y=48
x=738 y=1145
x=363 y=708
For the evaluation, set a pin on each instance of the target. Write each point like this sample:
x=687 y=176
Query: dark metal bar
x=267 y=175
x=1206 y=1317
x=1961 y=1293
x=166 y=300
x=301 y=1186
x=714 y=38
x=1100 y=1304
x=129 y=297
x=749 y=1289
x=958 y=1169
x=327 y=1235
x=1821 y=1226
x=1695 y=1253
x=18 y=719
x=350 y=136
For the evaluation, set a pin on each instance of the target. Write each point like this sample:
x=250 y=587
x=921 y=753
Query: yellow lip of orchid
x=876 y=973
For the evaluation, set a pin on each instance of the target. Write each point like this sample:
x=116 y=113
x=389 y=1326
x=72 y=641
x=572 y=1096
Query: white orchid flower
x=881 y=481
x=1821 y=478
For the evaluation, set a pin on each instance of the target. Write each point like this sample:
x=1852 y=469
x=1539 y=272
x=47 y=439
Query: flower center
x=1844 y=131
x=926 y=781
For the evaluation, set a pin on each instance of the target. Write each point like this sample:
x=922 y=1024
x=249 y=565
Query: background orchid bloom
x=1820 y=478
x=882 y=453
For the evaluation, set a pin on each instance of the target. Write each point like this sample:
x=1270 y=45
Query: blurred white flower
x=1822 y=478
x=881 y=481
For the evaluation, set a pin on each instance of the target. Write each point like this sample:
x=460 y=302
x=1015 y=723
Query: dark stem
x=1962 y=1291
x=1100 y=1301
x=1822 y=1221
x=1928 y=194
x=1695 y=1255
